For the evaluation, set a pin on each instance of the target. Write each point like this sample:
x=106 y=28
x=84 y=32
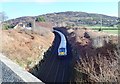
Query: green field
x=104 y=28
x=97 y=27
x=111 y=31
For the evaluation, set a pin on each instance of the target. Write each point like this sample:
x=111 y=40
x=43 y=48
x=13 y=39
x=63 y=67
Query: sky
x=15 y=9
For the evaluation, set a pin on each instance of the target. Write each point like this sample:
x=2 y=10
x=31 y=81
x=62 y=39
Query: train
x=62 y=49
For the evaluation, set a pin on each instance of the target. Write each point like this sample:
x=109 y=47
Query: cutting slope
x=26 y=47
x=95 y=55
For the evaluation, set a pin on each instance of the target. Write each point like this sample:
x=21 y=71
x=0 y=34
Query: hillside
x=70 y=18
x=25 y=47
x=95 y=56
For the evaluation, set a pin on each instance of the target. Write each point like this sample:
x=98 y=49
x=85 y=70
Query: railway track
x=55 y=69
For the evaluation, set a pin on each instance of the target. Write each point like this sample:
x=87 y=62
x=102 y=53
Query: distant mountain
x=70 y=18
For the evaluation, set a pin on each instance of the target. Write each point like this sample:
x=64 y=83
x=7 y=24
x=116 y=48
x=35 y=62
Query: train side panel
x=62 y=49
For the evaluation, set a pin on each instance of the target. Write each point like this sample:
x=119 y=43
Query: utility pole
x=101 y=22
x=34 y=24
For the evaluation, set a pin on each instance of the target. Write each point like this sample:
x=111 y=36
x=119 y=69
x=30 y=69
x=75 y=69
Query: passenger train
x=62 y=49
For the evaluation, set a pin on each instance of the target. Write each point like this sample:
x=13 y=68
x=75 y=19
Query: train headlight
x=62 y=53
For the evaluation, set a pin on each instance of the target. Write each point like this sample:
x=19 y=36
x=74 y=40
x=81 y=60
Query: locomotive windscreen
x=62 y=50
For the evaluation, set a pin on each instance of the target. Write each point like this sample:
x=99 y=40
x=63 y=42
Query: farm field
x=97 y=27
x=111 y=31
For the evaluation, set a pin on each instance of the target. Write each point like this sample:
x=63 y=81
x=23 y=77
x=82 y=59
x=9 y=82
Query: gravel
x=7 y=75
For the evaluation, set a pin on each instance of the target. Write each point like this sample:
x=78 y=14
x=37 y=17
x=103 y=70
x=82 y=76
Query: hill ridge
x=70 y=18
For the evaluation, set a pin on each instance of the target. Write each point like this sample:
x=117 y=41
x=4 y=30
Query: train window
x=62 y=50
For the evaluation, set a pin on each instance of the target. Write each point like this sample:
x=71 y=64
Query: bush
x=40 y=19
x=99 y=29
x=6 y=27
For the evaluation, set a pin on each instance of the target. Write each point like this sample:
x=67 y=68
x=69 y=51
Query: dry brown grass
x=95 y=61
x=25 y=47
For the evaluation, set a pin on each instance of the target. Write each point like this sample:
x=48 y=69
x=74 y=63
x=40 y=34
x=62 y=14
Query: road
x=56 y=69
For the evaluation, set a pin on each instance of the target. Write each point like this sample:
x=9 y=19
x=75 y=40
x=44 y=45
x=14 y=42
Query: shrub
x=40 y=19
x=6 y=27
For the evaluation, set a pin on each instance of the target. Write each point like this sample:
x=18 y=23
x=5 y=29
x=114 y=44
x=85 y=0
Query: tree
x=5 y=27
x=99 y=29
x=73 y=25
x=3 y=16
x=40 y=19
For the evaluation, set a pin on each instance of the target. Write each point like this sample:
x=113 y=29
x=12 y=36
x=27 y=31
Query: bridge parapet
x=11 y=72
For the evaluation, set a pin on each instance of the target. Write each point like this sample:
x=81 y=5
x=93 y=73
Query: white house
x=24 y=25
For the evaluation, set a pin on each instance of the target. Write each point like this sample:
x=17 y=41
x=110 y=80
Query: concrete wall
x=11 y=72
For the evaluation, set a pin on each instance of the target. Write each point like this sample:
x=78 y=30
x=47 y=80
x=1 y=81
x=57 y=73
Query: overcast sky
x=19 y=8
